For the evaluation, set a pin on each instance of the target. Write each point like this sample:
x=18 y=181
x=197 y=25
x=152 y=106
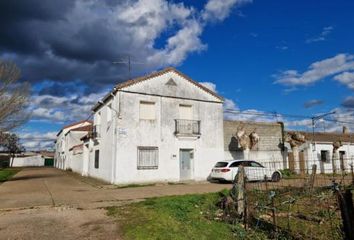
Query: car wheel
x=276 y=177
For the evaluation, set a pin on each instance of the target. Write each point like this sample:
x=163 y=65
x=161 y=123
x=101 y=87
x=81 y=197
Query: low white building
x=160 y=127
x=68 y=137
x=29 y=159
x=319 y=149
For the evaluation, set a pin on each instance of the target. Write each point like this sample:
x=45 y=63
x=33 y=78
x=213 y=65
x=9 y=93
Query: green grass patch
x=178 y=217
x=7 y=173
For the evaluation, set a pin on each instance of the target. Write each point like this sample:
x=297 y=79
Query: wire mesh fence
x=305 y=202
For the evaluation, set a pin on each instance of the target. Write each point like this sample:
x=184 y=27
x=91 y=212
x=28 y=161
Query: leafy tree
x=11 y=144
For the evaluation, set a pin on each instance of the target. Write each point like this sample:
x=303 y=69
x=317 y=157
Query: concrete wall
x=30 y=161
x=268 y=151
x=128 y=132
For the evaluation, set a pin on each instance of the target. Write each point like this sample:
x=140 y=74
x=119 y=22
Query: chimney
x=345 y=130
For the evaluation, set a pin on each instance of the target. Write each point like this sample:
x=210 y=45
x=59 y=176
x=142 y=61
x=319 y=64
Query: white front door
x=185 y=164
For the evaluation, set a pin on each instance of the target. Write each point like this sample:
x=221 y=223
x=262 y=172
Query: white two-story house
x=68 y=137
x=159 y=127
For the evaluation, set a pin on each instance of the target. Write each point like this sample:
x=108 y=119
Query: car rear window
x=221 y=164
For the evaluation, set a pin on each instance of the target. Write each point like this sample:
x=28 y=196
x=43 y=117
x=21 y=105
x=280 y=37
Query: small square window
x=324 y=155
x=148 y=157
x=147 y=110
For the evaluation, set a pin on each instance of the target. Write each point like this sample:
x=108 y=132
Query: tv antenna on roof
x=129 y=62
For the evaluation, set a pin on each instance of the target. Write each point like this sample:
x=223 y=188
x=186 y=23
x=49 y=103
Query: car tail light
x=225 y=170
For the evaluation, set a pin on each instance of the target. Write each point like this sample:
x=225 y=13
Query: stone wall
x=268 y=149
x=270 y=135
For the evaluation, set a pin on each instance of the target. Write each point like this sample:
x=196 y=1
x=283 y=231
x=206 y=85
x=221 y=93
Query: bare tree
x=14 y=97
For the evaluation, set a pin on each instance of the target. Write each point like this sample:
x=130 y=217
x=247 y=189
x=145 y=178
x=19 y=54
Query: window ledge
x=187 y=136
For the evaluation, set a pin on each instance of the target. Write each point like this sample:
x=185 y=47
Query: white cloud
x=331 y=123
x=37 y=140
x=312 y=103
x=185 y=41
x=48 y=114
x=74 y=107
x=348 y=102
x=323 y=35
x=216 y=10
x=317 y=71
x=209 y=85
x=346 y=78
x=95 y=33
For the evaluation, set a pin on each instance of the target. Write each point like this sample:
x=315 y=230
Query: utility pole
x=314 y=119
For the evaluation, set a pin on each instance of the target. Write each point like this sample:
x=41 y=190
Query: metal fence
x=187 y=127
x=307 y=203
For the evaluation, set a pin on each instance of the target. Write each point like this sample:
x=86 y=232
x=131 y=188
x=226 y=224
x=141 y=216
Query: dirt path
x=47 y=203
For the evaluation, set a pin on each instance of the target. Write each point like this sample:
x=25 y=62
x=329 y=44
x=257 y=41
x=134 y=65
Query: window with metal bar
x=148 y=157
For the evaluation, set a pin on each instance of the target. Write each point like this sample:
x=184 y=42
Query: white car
x=227 y=170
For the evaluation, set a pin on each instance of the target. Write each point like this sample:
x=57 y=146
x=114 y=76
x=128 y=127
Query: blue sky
x=291 y=57
x=245 y=52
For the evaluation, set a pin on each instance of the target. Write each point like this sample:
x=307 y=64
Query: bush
x=287 y=172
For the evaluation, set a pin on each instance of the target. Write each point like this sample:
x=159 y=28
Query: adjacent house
x=259 y=141
x=68 y=137
x=331 y=152
x=160 y=127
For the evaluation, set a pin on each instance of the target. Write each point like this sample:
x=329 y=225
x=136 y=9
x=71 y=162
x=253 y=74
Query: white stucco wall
x=160 y=133
x=76 y=162
x=313 y=156
x=121 y=138
x=64 y=142
x=72 y=139
x=105 y=144
x=31 y=161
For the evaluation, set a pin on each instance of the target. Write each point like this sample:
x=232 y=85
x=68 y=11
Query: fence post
x=352 y=172
x=274 y=216
x=266 y=182
x=347 y=212
x=241 y=191
x=312 y=177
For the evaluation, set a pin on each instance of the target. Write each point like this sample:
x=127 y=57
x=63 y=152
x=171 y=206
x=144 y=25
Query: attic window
x=171 y=82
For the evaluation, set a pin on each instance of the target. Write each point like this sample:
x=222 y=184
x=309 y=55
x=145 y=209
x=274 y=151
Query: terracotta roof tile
x=73 y=124
x=76 y=123
x=83 y=129
x=327 y=137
